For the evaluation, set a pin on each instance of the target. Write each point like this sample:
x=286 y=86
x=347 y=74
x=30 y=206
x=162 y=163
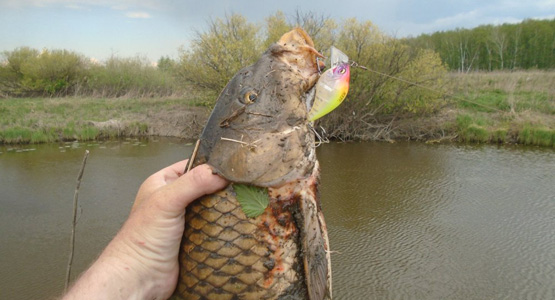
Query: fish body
x=258 y=134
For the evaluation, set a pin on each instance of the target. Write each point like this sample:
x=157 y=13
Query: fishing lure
x=332 y=87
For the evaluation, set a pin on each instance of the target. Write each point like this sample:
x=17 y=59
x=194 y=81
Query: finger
x=178 y=168
x=198 y=182
x=159 y=179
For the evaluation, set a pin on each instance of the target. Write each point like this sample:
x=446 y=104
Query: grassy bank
x=504 y=107
x=516 y=107
x=39 y=120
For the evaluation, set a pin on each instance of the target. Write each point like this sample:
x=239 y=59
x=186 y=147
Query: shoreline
x=55 y=120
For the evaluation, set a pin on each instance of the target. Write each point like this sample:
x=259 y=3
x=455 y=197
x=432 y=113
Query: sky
x=151 y=29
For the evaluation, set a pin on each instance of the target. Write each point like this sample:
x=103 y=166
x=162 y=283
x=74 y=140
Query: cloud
x=138 y=15
x=117 y=4
x=76 y=7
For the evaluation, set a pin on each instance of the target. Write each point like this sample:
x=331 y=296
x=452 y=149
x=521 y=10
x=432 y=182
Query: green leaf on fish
x=253 y=199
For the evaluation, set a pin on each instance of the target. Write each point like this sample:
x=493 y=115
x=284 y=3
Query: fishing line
x=355 y=64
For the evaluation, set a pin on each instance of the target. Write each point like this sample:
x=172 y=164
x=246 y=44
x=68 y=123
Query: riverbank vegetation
x=505 y=107
x=525 y=45
x=404 y=90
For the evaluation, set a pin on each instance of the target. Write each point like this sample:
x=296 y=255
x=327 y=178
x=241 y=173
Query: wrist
x=117 y=275
x=109 y=278
x=134 y=271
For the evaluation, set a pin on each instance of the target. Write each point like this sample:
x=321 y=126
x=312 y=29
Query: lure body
x=331 y=90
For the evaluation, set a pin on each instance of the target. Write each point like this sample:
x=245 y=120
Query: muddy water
x=406 y=221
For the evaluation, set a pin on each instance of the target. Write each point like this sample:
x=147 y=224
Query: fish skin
x=283 y=253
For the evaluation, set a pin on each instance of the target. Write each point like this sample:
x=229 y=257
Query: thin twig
x=193 y=157
x=259 y=114
x=250 y=145
x=74 y=223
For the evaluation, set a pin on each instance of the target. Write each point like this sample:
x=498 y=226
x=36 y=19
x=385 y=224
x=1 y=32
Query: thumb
x=200 y=181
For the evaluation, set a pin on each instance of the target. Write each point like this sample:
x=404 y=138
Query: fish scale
x=227 y=254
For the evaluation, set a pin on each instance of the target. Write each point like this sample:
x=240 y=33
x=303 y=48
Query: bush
x=50 y=72
x=375 y=96
x=216 y=55
x=28 y=72
x=133 y=77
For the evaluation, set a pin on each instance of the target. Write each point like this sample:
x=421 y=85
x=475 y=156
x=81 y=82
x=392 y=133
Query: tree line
x=526 y=45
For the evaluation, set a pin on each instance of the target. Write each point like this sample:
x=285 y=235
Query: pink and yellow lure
x=331 y=90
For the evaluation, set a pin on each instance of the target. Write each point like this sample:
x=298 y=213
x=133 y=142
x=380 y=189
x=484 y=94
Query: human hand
x=141 y=262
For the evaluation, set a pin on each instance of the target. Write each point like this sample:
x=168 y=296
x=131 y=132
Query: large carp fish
x=259 y=135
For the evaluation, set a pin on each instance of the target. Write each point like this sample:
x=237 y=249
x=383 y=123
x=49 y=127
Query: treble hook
x=322 y=139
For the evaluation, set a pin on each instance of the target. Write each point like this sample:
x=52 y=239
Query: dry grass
x=40 y=120
x=499 y=107
x=515 y=107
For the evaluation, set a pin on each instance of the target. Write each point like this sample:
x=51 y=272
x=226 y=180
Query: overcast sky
x=155 y=28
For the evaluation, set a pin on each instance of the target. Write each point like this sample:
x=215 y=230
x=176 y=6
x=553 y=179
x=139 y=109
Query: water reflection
x=407 y=221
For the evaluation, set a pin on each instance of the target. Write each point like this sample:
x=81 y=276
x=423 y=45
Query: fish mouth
x=296 y=49
x=258 y=132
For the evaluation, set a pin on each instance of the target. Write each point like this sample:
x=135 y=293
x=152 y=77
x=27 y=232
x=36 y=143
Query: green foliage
x=166 y=64
x=253 y=199
x=276 y=26
x=367 y=45
x=509 y=46
x=50 y=72
x=130 y=77
x=28 y=72
x=375 y=92
x=216 y=55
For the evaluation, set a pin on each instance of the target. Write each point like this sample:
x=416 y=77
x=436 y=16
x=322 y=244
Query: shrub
x=216 y=55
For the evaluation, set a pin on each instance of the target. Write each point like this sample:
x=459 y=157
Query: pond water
x=406 y=220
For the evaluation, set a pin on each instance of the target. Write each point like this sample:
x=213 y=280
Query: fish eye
x=250 y=97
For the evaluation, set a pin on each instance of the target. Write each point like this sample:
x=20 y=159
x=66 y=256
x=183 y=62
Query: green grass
x=531 y=135
x=43 y=120
x=517 y=107
x=471 y=129
x=477 y=129
x=484 y=101
x=504 y=107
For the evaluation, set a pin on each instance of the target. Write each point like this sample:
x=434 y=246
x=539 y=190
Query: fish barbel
x=259 y=134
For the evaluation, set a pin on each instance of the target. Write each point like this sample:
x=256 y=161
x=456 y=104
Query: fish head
x=258 y=132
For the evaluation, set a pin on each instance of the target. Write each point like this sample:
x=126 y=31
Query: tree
x=166 y=64
x=390 y=85
x=216 y=55
x=49 y=72
x=276 y=26
x=530 y=44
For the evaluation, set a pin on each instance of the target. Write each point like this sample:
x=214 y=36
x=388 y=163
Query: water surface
x=406 y=220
